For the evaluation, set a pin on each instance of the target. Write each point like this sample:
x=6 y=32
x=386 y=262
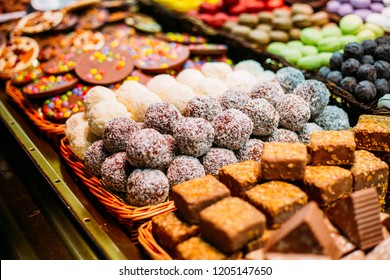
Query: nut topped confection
x=332 y=148
x=373 y=133
x=277 y=200
x=193 y=196
x=196 y=248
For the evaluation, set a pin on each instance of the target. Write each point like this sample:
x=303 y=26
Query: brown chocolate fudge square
x=283 y=161
x=231 y=223
x=277 y=200
x=240 y=177
x=373 y=133
x=332 y=147
x=370 y=171
x=325 y=184
x=192 y=196
x=196 y=248
x=169 y=230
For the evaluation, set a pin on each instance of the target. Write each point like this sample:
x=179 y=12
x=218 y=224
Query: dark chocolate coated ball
x=336 y=61
x=369 y=47
x=367 y=59
x=382 y=53
x=350 y=67
x=382 y=87
x=383 y=40
x=353 y=50
x=324 y=71
x=335 y=77
x=365 y=91
x=382 y=69
x=348 y=84
x=366 y=72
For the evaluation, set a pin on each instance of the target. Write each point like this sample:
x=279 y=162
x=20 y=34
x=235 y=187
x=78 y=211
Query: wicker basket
x=149 y=244
x=130 y=216
x=53 y=131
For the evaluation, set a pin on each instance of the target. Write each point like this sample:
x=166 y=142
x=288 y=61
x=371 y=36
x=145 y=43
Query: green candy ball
x=276 y=47
x=310 y=36
x=351 y=24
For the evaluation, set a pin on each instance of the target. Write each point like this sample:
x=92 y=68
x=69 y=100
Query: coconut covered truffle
x=283 y=135
x=115 y=171
x=95 y=95
x=148 y=148
x=190 y=77
x=184 y=168
x=162 y=117
x=159 y=84
x=264 y=116
x=103 y=112
x=72 y=122
x=232 y=129
x=80 y=139
x=206 y=107
x=271 y=91
x=315 y=93
x=305 y=134
x=137 y=98
x=218 y=70
x=240 y=80
x=251 y=150
x=179 y=95
x=233 y=99
x=289 y=78
x=94 y=158
x=193 y=136
x=117 y=133
x=267 y=75
x=212 y=87
x=147 y=187
x=294 y=112
x=216 y=158
x=333 y=118
x=250 y=66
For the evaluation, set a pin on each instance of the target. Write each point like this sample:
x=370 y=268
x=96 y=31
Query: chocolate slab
x=373 y=133
x=93 y=18
x=181 y=38
x=39 y=21
x=63 y=63
x=26 y=76
x=68 y=22
x=207 y=49
x=357 y=217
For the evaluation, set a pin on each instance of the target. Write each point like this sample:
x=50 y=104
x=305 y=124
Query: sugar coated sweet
x=184 y=168
x=232 y=129
x=137 y=98
x=206 y=107
x=96 y=95
x=233 y=99
x=94 y=158
x=333 y=118
x=283 y=135
x=80 y=140
x=315 y=93
x=115 y=171
x=162 y=116
x=190 y=77
x=289 y=78
x=216 y=158
x=250 y=66
x=194 y=136
x=241 y=80
x=117 y=133
x=251 y=150
x=212 y=87
x=159 y=84
x=103 y=112
x=264 y=116
x=307 y=130
x=147 y=187
x=294 y=112
x=73 y=122
x=179 y=95
x=272 y=91
x=149 y=148
x=217 y=70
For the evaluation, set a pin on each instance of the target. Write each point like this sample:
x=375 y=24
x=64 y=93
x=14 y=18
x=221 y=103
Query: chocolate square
x=325 y=184
x=373 y=133
x=332 y=148
x=196 y=248
x=283 y=161
x=277 y=200
x=170 y=230
x=231 y=223
x=240 y=177
x=192 y=196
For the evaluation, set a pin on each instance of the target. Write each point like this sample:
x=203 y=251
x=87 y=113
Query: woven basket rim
x=149 y=243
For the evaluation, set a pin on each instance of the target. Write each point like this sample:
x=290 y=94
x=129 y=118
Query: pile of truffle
x=142 y=140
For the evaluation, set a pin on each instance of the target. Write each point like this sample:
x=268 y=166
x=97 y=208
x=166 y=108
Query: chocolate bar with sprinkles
x=372 y=133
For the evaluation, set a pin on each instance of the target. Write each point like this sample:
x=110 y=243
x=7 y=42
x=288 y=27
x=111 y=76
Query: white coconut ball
x=72 y=122
x=190 y=77
x=212 y=87
x=81 y=137
x=179 y=95
x=103 y=112
x=95 y=95
x=136 y=98
x=217 y=70
x=267 y=76
x=251 y=66
x=240 y=80
x=159 y=84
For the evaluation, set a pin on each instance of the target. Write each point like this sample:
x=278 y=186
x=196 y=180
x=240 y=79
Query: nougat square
x=283 y=161
x=231 y=223
x=332 y=147
x=240 y=177
x=277 y=200
x=325 y=184
x=370 y=171
x=195 y=248
x=170 y=230
x=372 y=133
x=192 y=196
